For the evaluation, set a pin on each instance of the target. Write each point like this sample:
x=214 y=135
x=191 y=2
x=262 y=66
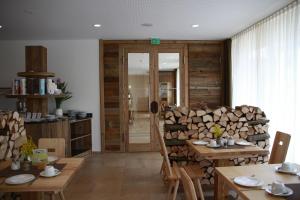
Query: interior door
x=150 y=74
x=138 y=94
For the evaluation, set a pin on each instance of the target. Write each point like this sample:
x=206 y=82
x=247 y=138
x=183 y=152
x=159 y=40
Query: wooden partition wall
x=208 y=81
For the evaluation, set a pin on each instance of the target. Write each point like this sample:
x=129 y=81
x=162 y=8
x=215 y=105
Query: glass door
x=139 y=92
x=149 y=74
x=169 y=83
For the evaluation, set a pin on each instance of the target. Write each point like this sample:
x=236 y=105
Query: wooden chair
x=172 y=173
x=55 y=146
x=280 y=148
x=188 y=185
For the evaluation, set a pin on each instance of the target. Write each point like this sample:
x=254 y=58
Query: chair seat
x=194 y=171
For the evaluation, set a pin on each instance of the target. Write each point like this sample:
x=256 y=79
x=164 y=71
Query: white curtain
x=266 y=72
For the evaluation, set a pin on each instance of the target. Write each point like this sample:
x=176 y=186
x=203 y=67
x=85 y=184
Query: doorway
x=149 y=73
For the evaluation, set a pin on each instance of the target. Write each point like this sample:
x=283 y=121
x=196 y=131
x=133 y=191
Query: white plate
x=19 y=179
x=248 y=181
x=288 y=193
x=210 y=146
x=43 y=174
x=200 y=142
x=279 y=169
x=52 y=159
x=243 y=143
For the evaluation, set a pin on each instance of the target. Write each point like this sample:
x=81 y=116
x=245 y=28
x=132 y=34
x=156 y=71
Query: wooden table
x=221 y=156
x=54 y=185
x=265 y=172
x=227 y=153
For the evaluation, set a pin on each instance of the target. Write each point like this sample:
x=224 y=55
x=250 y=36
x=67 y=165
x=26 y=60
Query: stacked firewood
x=243 y=122
x=12 y=135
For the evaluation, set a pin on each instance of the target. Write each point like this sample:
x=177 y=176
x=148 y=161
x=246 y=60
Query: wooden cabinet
x=81 y=137
x=56 y=129
x=77 y=134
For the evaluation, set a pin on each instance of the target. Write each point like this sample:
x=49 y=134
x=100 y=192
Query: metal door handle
x=154 y=107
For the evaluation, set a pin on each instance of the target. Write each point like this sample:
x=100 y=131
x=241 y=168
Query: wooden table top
x=227 y=153
x=265 y=172
x=41 y=184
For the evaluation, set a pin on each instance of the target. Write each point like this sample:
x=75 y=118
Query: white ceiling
x=122 y=19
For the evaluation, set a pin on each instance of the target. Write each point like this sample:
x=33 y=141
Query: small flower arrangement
x=62 y=85
x=27 y=148
x=217 y=131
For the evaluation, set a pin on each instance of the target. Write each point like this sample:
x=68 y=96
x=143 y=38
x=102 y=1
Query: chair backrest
x=280 y=148
x=55 y=146
x=188 y=186
x=164 y=152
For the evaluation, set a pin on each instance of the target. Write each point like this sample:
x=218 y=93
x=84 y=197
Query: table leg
x=61 y=195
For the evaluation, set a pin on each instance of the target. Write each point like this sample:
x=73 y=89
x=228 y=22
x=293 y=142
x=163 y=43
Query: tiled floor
x=119 y=176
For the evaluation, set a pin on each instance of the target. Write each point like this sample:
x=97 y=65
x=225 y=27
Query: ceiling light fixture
x=97 y=25
x=195 y=25
x=0 y=26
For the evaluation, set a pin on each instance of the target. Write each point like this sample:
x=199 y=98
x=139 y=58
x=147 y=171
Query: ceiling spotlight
x=195 y=25
x=147 y=24
x=0 y=26
x=97 y=25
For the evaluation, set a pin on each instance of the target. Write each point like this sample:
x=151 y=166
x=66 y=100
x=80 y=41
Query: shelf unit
x=33 y=74
x=34 y=96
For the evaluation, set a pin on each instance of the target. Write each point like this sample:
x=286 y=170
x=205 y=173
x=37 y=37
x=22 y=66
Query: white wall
x=76 y=61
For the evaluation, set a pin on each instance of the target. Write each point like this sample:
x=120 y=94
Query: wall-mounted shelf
x=36 y=74
x=32 y=96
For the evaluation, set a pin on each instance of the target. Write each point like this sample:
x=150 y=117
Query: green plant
x=26 y=149
x=62 y=85
x=217 y=131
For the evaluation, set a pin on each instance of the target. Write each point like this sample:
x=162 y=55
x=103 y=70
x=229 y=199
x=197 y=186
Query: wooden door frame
x=164 y=43
x=125 y=50
x=153 y=51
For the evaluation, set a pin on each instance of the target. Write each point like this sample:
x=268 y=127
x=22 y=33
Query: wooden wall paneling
x=227 y=73
x=205 y=74
x=111 y=97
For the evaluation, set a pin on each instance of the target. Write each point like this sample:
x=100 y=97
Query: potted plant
x=217 y=131
x=62 y=86
x=27 y=151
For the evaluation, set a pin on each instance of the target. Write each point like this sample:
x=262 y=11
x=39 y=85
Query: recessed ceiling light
x=195 y=25
x=0 y=26
x=147 y=24
x=97 y=25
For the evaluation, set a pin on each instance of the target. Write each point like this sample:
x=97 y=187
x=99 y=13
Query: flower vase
x=59 y=112
x=26 y=165
x=219 y=141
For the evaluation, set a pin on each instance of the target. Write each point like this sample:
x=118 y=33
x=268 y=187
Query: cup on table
x=287 y=166
x=49 y=170
x=230 y=142
x=278 y=187
x=213 y=143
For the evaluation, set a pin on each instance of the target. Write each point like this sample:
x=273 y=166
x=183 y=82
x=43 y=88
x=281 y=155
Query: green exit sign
x=155 y=41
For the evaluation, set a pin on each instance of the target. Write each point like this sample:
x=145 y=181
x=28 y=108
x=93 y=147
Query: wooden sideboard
x=77 y=134
x=81 y=137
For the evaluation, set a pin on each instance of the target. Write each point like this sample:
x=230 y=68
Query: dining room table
x=267 y=173
x=222 y=156
x=41 y=185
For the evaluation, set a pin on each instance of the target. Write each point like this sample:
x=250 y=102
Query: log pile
x=12 y=135
x=243 y=122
